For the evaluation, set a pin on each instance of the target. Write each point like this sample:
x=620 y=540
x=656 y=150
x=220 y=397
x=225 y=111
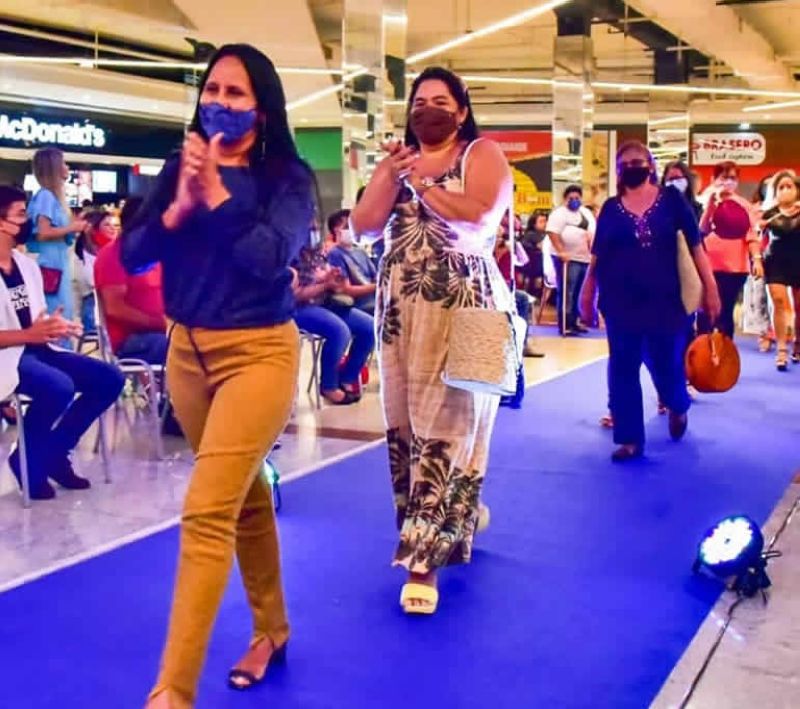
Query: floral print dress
x=438 y=436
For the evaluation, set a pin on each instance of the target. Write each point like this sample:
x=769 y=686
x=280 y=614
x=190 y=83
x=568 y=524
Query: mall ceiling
x=731 y=43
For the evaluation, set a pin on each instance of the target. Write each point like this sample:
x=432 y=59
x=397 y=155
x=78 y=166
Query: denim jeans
x=87 y=313
x=341 y=328
x=149 y=346
x=52 y=379
x=523 y=305
x=663 y=353
x=568 y=295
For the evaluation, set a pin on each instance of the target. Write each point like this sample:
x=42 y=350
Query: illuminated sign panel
x=28 y=130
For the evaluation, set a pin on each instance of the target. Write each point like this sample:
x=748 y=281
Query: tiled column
x=668 y=128
x=395 y=28
x=573 y=100
x=363 y=49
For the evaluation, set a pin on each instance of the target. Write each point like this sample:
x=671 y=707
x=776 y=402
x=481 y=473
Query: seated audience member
x=100 y=231
x=132 y=303
x=508 y=263
x=55 y=419
x=532 y=241
x=359 y=270
x=377 y=246
x=324 y=309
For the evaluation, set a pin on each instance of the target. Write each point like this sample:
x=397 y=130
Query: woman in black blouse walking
x=782 y=262
x=226 y=218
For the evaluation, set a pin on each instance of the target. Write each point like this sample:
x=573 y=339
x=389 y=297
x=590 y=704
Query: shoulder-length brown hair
x=639 y=146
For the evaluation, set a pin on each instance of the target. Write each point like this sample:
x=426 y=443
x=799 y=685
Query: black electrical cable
x=768 y=554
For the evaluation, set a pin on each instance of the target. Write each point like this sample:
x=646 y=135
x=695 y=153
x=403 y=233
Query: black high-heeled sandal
x=782 y=359
x=278 y=657
x=796 y=353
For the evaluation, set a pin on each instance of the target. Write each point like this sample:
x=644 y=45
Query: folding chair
x=132 y=369
x=315 y=342
x=88 y=338
x=20 y=401
x=550 y=284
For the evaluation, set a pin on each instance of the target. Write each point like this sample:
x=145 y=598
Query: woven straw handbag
x=485 y=351
x=691 y=285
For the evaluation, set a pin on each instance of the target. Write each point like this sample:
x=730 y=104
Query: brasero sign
x=741 y=148
x=30 y=131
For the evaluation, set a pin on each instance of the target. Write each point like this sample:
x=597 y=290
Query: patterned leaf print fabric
x=438 y=436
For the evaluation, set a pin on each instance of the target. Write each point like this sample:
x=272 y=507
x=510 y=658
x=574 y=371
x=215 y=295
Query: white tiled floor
x=146 y=495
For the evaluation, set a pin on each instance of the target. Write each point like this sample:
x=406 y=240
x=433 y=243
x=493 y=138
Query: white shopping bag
x=755 y=307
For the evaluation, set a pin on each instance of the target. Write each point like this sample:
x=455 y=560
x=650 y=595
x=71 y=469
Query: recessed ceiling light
x=510 y=21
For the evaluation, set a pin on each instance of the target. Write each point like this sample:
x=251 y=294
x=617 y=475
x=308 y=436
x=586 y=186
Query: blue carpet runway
x=580 y=594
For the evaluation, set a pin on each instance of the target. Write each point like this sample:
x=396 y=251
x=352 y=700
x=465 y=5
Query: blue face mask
x=574 y=204
x=234 y=125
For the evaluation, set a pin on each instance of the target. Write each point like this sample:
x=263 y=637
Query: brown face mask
x=432 y=125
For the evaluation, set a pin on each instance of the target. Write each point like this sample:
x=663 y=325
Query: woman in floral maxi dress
x=440 y=199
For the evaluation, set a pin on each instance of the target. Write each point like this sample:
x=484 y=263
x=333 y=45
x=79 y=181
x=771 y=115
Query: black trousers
x=730 y=287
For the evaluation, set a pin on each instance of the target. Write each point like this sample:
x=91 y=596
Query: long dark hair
x=274 y=139
x=274 y=157
x=458 y=90
x=93 y=221
x=684 y=170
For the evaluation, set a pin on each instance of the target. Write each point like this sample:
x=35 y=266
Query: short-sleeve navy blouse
x=637 y=263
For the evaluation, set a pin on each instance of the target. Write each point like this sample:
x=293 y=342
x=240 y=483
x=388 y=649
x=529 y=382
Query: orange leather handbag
x=712 y=363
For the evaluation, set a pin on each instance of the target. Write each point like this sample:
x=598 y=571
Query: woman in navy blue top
x=227 y=217
x=635 y=266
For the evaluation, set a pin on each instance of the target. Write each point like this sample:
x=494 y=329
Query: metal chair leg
x=564 y=300
x=23 y=454
x=316 y=349
x=312 y=376
x=546 y=291
x=102 y=442
x=155 y=419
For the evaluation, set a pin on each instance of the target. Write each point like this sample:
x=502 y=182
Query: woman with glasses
x=635 y=266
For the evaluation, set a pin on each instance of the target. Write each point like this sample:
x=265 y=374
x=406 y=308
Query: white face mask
x=346 y=237
x=679 y=183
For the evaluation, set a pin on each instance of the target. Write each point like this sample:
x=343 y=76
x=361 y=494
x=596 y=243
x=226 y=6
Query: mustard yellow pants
x=232 y=391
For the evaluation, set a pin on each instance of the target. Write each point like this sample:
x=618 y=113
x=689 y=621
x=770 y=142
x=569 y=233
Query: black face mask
x=634 y=177
x=432 y=125
x=25 y=231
